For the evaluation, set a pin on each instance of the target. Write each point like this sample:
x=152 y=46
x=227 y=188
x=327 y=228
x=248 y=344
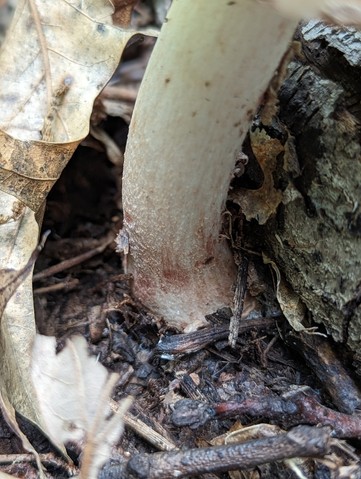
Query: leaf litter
x=155 y=378
x=73 y=391
x=68 y=51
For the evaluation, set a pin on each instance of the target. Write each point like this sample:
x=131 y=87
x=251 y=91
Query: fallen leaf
x=55 y=59
x=260 y=204
x=290 y=303
x=10 y=280
x=9 y=414
x=18 y=241
x=74 y=391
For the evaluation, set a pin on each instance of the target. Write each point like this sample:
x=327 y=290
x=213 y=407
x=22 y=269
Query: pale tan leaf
x=74 y=390
x=56 y=58
x=19 y=235
x=290 y=303
x=10 y=281
x=68 y=52
x=68 y=386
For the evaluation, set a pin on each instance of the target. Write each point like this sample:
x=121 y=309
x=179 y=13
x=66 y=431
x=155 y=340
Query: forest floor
x=275 y=384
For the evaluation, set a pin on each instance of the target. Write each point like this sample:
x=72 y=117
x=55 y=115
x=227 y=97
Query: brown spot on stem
x=236 y=125
x=249 y=114
x=207 y=83
x=208 y=240
x=205 y=262
x=231 y=3
x=172 y=271
x=175 y=276
x=167 y=80
x=194 y=114
x=127 y=217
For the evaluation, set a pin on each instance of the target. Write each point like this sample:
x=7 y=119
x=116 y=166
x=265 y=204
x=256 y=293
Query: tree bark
x=315 y=236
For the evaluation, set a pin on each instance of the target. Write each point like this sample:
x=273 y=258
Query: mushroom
x=210 y=66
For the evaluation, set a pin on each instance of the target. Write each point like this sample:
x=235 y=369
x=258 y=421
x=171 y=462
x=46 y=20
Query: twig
x=241 y=288
x=321 y=358
x=69 y=263
x=120 y=93
x=53 y=288
x=292 y=408
x=302 y=441
x=153 y=437
x=192 y=342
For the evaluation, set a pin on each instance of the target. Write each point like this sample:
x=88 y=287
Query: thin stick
x=54 y=288
x=153 y=437
x=302 y=441
x=241 y=288
x=69 y=263
x=192 y=342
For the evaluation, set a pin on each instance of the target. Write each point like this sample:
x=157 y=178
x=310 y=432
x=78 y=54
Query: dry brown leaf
x=290 y=303
x=18 y=240
x=73 y=390
x=262 y=203
x=56 y=58
x=10 y=280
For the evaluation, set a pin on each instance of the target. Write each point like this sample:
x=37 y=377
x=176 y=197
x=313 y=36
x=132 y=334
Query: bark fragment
x=315 y=236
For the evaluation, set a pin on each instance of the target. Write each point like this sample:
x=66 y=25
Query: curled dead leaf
x=290 y=303
x=56 y=58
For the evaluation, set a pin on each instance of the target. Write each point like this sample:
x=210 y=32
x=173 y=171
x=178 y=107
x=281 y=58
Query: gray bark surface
x=315 y=237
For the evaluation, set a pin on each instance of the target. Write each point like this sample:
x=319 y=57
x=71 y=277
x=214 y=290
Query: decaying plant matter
x=54 y=61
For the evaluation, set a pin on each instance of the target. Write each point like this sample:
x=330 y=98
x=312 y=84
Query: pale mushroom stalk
x=211 y=64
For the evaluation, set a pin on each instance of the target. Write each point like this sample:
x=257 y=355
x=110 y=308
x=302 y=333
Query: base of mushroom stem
x=183 y=304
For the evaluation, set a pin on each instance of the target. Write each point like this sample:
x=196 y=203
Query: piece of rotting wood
x=241 y=288
x=321 y=358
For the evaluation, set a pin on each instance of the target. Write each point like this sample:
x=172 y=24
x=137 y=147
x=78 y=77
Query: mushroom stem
x=212 y=62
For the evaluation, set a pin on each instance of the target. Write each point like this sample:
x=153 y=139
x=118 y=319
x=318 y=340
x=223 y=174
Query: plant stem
x=211 y=64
